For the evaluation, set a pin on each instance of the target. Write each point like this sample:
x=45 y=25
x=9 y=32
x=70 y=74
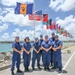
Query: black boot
x=48 y=68
x=19 y=71
x=60 y=70
x=45 y=68
x=12 y=73
x=39 y=67
x=25 y=69
x=28 y=69
x=33 y=68
x=54 y=67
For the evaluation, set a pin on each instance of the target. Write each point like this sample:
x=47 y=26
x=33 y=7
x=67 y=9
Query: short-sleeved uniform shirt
x=40 y=41
x=37 y=45
x=27 y=45
x=52 y=41
x=46 y=45
x=57 y=44
x=18 y=46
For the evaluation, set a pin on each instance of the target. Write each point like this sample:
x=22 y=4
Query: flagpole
x=42 y=23
x=34 y=21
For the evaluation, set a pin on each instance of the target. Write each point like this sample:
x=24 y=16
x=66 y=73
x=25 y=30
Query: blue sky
x=60 y=11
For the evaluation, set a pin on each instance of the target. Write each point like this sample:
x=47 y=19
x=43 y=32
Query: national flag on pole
x=47 y=26
x=59 y=28
x=50 y=21
x=56 y=26
x=45 y=17
x=35 y=17
x=24 y=8
x=39 y=12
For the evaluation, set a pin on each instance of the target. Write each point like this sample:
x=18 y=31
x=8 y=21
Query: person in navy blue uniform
x=46 y=46
x=40 y=41
x=52 y=39
x=57 y=53
x=16 y=56
x=26 y=53
x=36 y=54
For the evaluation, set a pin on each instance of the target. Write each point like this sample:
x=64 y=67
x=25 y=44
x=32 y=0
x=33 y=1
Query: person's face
x=46 y=39
x=36 y=40
x=27 y=40
x=53 y=35
x=56 y=39
x=17 y=39
x=41 y=37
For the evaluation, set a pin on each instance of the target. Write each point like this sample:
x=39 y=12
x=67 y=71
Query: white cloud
x=13 y=2
x=67 y=21
x=64 y=5
x=68 y=24
x=3 y=27
x=20 y=20
x=5 y=37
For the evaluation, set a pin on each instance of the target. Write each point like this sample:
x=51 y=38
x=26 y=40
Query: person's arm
x=24 y=50
x=59 y=47
x=49 y=48
x=35 y=49
x=43 y=48
x=14 y=49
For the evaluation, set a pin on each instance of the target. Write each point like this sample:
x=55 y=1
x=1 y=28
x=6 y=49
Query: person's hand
x=41 y=48
x=28 y=52
x=54 y=49
x=46 y=50
x=37 y=52
x=19 y=52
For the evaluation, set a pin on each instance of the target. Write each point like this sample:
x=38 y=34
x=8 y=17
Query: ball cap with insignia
x=17 y=37
x=41 y=35
x=53 y=33
x=36 y=38
x=46 y=36
x=27 y=37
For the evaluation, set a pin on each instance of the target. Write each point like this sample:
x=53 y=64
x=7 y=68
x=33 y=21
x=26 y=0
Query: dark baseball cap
x=27 y=37
x=46 y=36
x=41 y=35
x=53 y=33
x=36 y=38
x=17 y=37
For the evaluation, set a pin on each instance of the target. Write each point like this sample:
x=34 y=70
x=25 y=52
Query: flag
x=45 y=17
x=50 y=21
x=56 y=26
x=47 y=27
x=51 y=27
x=24 y=8
x=65 y=33
x=38 y=12
x=59 y=28
x=35 y=17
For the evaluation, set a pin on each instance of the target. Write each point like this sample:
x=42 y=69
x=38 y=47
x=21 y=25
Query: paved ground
x=68 y=60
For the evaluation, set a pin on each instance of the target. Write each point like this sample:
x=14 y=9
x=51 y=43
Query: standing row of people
x=48 y=49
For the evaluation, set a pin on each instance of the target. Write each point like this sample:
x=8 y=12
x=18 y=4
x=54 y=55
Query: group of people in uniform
x=48 y=48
